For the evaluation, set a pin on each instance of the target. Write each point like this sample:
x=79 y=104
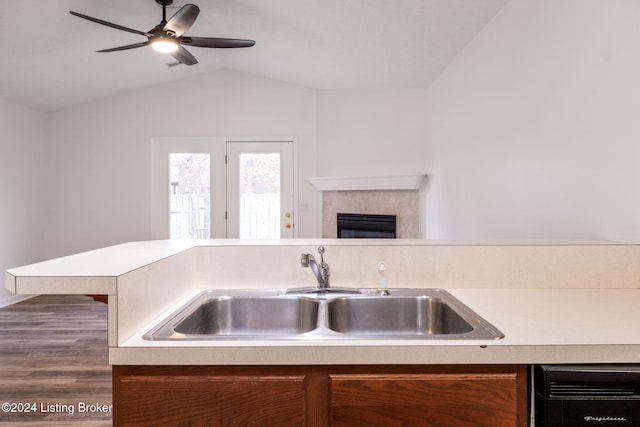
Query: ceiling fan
x=168 y=36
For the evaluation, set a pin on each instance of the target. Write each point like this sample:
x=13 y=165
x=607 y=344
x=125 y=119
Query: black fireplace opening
x=366 y=226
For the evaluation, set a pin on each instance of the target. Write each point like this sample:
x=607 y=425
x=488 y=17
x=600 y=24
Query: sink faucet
x=322 y=272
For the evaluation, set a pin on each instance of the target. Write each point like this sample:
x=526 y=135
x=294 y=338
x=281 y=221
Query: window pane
x=189 y=196
x=259 y=178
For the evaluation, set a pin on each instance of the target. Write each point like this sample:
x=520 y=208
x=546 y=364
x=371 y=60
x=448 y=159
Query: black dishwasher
x=587 y=395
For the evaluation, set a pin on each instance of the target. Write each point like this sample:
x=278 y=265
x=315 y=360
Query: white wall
x=22 y=178
x=99 y=153
x=534 y=130
x=371 y=132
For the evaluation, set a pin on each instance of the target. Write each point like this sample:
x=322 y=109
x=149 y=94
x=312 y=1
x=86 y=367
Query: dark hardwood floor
x=54 y=368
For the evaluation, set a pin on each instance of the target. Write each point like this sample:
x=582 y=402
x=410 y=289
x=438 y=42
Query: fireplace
x=366 y=226
x=402 y=195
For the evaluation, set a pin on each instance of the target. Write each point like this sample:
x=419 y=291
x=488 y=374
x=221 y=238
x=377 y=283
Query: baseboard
x=14 y=299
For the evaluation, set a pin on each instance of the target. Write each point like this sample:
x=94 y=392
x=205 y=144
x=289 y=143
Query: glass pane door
x=188 y=188
x=216 y=188
x=260 y=190
x=189 y=196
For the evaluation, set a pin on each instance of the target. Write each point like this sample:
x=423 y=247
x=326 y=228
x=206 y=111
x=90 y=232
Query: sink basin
x=401 y=315
x=295 y=314
x=241 y=317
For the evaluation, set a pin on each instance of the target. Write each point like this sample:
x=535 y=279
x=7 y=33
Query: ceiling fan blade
x=129 y=46
x=183 y=56
x=182 y=20
x=109 y=24
x=216 y=42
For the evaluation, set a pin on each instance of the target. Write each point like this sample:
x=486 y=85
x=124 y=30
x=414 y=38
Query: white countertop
x=540 y=326
x=92 y=272
x=547 y=317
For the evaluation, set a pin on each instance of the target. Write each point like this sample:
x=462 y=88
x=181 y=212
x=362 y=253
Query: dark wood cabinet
x=429 y=399
x=320 y=396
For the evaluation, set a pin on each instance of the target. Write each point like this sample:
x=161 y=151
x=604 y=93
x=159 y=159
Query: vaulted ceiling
x=48 y=59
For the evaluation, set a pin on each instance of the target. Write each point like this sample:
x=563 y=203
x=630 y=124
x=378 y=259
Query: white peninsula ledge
x=93 y=272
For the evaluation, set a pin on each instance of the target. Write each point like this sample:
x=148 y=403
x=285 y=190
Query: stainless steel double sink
x=278 y=314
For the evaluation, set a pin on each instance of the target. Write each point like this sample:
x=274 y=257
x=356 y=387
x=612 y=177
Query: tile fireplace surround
x=399 y=195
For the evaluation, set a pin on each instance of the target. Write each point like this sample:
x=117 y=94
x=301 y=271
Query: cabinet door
x=455 y=399
x=210 y=400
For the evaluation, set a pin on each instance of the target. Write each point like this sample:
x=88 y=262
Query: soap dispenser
x=382 y=283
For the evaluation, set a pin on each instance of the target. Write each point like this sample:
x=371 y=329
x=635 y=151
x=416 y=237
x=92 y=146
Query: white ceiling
x=48 y=59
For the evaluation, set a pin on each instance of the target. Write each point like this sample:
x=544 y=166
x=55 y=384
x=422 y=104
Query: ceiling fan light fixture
x=164 y=44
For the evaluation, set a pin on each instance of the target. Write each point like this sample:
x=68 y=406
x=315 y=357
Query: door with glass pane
x=260 y=190
x=216 y=188
x=189 y=195
x=188 y=188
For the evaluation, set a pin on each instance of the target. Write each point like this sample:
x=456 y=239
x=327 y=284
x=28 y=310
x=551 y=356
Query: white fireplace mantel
x=367 y=183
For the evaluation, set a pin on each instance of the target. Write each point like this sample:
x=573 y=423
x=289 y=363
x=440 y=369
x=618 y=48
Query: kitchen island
x=555 y=303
